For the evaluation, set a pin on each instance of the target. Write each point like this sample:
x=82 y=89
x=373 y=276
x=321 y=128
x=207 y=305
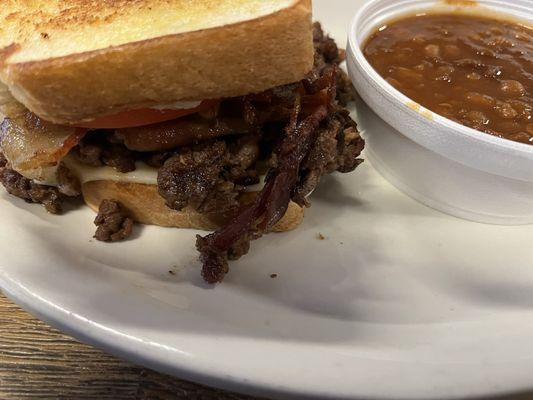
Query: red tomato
x=142 y=117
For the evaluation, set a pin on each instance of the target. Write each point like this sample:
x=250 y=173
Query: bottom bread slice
x=147 y=207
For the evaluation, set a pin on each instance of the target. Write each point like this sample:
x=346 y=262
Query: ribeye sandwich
x=214 y=115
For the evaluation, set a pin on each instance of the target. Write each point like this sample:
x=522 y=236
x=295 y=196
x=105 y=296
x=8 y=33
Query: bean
x=522 y=37
x=432 y=50
x=403 y=55
x=423 y=66
x=487 y=53
x=508 y=126
x=394 y=82
x=492 y=71
x=445 y=109
x=521 y=137
x=444 y=73
x=480 y=100
x=477 y=118
x=451 y=51
x=512 y=88
x=474 y=76
x=505 y=110
x=475 y=37
x=418 y=39
x=446 y=69
x=525 y=111
x=500 y=41
x=408 y=74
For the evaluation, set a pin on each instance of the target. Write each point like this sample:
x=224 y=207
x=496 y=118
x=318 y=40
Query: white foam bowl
x=442 y=164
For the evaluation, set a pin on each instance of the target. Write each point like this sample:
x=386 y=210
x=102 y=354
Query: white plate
x=397 y=301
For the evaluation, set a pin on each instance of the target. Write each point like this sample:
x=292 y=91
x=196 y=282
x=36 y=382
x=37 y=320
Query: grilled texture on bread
x=146 y=206
x=71 y=61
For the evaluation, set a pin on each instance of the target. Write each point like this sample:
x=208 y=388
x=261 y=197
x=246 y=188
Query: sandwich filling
x=284 y=140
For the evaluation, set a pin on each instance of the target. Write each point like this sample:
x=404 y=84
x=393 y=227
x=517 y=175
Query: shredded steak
x=100 y=148
x=113 y=223
x=336 y=148
x=326 y=54
x=31 y=192
x=68 y=184
x=209 y=177
x=190 y=177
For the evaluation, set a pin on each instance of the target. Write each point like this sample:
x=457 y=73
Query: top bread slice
x=71 y=61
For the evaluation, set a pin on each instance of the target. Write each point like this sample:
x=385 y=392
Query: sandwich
x=211 y=115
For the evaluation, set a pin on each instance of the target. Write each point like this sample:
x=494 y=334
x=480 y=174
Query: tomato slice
x=142 y=117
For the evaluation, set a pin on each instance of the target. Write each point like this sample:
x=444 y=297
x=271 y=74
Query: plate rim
x=182 y=369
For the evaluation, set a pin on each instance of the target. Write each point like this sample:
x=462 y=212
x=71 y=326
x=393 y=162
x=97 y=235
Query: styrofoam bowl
x=445 y=165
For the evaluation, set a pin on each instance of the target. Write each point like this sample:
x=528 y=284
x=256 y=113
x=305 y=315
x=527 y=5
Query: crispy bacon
x=30 y=144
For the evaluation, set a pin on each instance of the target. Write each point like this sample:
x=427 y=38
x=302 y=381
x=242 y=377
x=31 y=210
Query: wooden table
x=37 y=361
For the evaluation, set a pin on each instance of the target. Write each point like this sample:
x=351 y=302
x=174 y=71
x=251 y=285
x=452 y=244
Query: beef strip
x=326 y=54
x=243 y=155
x=3 y=161
x=209 y=177
x=190 y=177
x=156 y=159
x=90 y=154
x=31 y=192
x=100 y=148
x=113 y=223
x=68 y=184
x=336 y=148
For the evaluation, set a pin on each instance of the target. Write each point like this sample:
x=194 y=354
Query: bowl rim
x=354 y=49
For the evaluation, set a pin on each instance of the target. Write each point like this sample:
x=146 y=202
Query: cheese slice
x=86 y=173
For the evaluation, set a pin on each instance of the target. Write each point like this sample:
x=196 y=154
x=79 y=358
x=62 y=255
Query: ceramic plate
x=376 y=295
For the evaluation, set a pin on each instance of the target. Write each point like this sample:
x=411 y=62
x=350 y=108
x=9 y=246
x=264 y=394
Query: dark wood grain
x=37 y=361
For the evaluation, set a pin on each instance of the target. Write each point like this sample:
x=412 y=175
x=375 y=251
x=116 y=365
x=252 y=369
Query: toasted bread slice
x=147 y=207
x=71 y=61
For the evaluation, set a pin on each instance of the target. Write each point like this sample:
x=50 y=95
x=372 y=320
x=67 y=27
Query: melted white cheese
x=86 y=173
x=143 y=174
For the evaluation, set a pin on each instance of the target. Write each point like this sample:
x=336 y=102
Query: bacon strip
x=30 y=144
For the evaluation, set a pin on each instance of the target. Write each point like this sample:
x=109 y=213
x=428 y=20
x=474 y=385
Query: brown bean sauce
x=474 y=70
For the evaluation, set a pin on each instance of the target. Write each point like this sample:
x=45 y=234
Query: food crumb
x=171 y=272
x=273 y=276
x=320 y=236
